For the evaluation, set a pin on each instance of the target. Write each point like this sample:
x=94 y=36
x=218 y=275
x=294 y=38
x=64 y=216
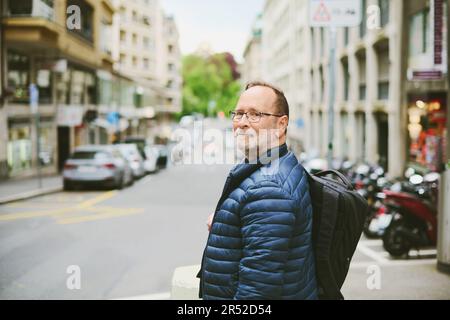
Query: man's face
x=264 y=134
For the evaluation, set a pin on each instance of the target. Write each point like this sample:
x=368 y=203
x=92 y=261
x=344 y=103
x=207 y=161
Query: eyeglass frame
x=233 y=114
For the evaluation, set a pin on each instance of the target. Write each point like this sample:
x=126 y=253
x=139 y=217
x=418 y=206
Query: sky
x=224 y=24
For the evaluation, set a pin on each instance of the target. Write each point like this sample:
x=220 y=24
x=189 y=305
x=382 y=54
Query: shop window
x=45 y=85
x=18 y=76
x=19 y=148
x=77 y=88
x=62 y=81
x=46 y=138
x=426 y=127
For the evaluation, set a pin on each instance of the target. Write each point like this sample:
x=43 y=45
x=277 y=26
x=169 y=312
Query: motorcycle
x=414 y=214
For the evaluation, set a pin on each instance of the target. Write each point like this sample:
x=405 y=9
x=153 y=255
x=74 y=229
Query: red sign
x=322 y=14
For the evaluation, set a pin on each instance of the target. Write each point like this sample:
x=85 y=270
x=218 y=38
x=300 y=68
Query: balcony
x=31 y=23
x=31 y=8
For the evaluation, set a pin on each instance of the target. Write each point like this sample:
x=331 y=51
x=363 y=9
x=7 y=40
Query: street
x=128 y=243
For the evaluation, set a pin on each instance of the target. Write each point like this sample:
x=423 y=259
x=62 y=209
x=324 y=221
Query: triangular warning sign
x=322 y=14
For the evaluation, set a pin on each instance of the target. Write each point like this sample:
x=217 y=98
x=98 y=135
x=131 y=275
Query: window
x=383 y=90
x=146 y=64
x=322 y=42
x=346 y=36
x=135 y=62
x=384 y=14
x=419 y=33
x=45 y=85
x=123 y=59
x=18 y=76
x=170 y=48
x=123 y=14
x=170 y=67
x=346 y=81
x=87 y=24
x=135 y=16
x=146 y=42
x=123 y=36
x=362 y=26
x=135 y=39
x=362 y=92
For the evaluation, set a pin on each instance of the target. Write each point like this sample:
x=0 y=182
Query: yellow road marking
x=100 y=216
x=34 y=214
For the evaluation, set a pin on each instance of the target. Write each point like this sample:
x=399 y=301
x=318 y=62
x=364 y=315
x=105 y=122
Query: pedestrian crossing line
x=393 y=263
x=372 y=243
x=100 y=216
x=378 y=257
x=415 y=253
x=155 y=296
x=57 y=212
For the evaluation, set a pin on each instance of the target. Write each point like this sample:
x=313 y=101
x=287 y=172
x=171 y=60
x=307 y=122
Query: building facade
x=391 y=81
x=59 y=46
x=148 y=52
x=89 y=91
x=252 y=68
x=286 y=60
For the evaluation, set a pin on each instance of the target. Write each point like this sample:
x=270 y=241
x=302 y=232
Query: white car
x=131 y=153
x=151 y=161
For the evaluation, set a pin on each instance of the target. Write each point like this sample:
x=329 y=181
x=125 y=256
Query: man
x=260 y=245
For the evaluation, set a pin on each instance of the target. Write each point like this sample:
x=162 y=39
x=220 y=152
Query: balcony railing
x=31 y=8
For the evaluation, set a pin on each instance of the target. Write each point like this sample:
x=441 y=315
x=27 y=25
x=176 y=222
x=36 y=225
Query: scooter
x=414 y=216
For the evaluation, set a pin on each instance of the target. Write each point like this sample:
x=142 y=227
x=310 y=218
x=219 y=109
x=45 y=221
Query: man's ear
x=284 y=121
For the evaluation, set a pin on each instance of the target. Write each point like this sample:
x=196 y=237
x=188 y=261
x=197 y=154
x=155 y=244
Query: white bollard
x=185 y=283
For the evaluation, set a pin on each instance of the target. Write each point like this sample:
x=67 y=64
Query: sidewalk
x=14 y=190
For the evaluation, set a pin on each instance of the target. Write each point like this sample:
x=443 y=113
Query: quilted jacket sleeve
x=267 y=218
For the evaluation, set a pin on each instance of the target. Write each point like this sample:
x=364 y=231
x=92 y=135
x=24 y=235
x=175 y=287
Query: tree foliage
x=209 y=84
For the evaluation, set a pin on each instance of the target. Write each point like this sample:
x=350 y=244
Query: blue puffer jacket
x=260 y=243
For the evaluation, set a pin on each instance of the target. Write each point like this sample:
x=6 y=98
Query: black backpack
x=339 y=213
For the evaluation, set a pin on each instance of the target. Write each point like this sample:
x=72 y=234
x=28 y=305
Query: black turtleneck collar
x=270 y=155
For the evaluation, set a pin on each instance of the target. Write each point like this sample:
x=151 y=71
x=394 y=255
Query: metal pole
x=443 y=245
x=331 y=95
x=38 y=149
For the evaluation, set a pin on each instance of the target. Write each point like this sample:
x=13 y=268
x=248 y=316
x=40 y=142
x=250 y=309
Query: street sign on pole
x=332 y=14
x=34 y=101
x=335 y=13
x=34 y=98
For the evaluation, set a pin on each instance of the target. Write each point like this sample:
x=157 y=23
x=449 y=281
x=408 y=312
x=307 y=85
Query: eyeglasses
x=252 y=116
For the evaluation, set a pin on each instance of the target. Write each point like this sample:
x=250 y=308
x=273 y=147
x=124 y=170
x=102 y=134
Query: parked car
x=134 y=157
x=96 y=165
x=140 y=142
x=151 y=159
x=163 y=155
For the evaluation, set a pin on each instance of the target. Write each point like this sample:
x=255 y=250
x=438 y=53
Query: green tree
x=208 y=85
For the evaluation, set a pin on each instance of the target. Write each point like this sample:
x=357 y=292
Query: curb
x=185 y=284
x=30 y=194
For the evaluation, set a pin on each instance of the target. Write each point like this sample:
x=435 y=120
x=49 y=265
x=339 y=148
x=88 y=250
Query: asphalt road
x=128 y=243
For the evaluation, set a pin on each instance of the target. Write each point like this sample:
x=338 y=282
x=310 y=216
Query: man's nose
x=243 y=122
